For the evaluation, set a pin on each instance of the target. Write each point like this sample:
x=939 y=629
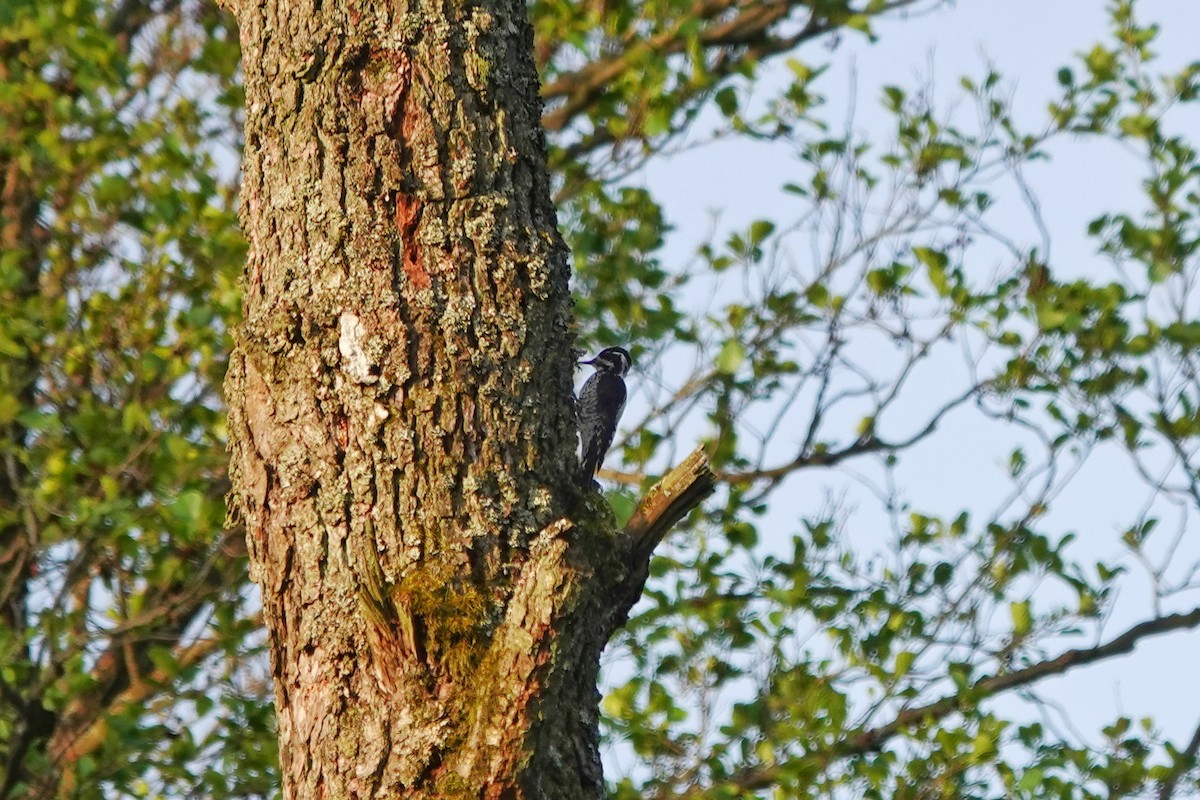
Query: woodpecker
x=600 y=405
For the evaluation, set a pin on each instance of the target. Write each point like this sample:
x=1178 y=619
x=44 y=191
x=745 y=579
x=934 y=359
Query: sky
x=1027 y=41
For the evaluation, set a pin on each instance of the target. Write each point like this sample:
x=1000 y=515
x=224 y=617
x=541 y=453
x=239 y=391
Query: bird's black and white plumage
x=600 y=405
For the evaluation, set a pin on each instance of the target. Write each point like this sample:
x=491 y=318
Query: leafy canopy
x=887 y=321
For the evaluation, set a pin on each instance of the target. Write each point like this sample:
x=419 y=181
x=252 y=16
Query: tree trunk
x=402 y=436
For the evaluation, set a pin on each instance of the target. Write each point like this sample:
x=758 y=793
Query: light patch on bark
x=355 y=361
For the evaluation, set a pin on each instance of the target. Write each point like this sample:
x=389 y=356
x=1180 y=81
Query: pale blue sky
x=1027 y=41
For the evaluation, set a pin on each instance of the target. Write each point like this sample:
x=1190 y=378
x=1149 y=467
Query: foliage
x=862 y=654
x=126 y=613
x=874 y=642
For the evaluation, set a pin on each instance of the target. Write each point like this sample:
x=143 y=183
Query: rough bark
x=401 y=423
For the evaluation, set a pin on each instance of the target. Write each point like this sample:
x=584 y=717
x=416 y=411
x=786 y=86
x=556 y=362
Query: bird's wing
x=600 y=405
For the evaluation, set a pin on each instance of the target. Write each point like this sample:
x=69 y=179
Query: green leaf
x=1022 y=618
x=1102 y=63
x=818 y=295
x=727 y=101
x=760 y=230
x=893 y=98
x=623 y=505
x=731 y=357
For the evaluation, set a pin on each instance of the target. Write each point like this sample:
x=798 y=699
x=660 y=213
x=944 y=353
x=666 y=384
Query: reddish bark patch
x=408 y=217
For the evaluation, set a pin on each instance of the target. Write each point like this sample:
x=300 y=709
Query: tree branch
x=750 y=28
x=669 y=501
x=865 y=445
x=871 y=740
